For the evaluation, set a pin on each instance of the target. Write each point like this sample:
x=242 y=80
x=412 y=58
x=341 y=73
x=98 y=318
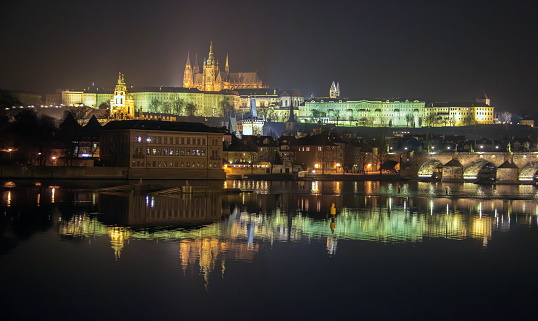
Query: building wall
x=207 y=104
x=458 y=116
x=158 y=152
x=363 y=112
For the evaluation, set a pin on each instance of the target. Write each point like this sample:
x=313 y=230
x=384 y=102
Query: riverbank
x=322 y=177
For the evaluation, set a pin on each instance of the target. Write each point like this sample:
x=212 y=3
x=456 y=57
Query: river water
x=276 y=251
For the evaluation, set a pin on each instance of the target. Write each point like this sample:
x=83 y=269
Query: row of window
x=307 y=148
x=174 y=164
x=169 y=152
x=173 y=140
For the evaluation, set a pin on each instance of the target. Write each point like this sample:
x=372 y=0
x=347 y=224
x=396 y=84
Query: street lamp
x=9 y=151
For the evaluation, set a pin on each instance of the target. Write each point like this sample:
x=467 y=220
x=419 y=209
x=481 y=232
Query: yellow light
x=316 y=165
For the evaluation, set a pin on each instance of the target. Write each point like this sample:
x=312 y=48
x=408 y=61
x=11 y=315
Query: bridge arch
x=472 y=171
x=528 y=171
x=428 y=168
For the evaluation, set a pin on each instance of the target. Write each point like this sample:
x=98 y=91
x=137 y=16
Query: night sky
x=432 y=50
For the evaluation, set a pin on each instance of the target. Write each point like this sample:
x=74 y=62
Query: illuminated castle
x=213 y=79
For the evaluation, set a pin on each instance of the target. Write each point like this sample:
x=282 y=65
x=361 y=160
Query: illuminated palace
x=395 y=112
x=211 y=78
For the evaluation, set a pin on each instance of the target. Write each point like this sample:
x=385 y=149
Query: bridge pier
x=507 y=173
x=452 y=171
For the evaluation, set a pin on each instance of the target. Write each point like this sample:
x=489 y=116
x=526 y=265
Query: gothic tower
x=335 y=90
x=188 y=75
x=211 y=69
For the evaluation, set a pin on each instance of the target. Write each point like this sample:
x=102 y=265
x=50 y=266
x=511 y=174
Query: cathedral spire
x=227 y=67
x=195 y=68
x=210 y=59
x=188 y=60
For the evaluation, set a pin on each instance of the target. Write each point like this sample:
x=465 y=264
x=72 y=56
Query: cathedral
x=210 y=78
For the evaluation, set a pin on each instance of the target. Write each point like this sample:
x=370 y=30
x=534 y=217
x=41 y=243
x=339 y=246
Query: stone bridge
x=501 y=167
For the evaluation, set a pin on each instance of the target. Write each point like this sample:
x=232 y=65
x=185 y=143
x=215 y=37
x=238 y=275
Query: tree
x=104 y=105
x=78 y=113
x=166 y=107
x=271 y=115
x=177 y=105
x=31 y=134
x=226 y=108
x=154 y=105
x=505 y=117
x=315 y=115
x=190 y=109
x=336 y=114
x=409 y=119
x=468 y=119
x=7 y=100
x=431 y=119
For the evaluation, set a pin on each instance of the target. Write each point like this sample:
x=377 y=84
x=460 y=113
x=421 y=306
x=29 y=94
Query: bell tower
x=335 y=90
x=211 y=69
x=122 y=104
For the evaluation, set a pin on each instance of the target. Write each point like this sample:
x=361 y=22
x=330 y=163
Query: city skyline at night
x=389 y=49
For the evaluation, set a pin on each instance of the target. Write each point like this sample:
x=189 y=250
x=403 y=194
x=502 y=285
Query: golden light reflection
x=118 y=237
x=8 y=198
x=315 y=187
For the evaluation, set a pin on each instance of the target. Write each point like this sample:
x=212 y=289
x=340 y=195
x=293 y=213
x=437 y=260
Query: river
x=281 y=250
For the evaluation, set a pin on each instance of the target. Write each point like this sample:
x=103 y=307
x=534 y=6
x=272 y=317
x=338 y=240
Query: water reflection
x=213 y=228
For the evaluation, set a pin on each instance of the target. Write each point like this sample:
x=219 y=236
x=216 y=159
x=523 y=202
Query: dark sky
x=434 y=50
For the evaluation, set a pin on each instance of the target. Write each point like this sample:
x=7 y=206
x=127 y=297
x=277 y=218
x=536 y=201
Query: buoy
x=333 y=209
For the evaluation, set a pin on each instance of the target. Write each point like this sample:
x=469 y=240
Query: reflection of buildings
x=268 y=218
x=138 y=210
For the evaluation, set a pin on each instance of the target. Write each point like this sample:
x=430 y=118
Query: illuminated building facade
x=211 y=78
x=122 y=103
x=458 y=114
x=371 y=113
x=163 y=150
x=176 y=100
x=410 y=113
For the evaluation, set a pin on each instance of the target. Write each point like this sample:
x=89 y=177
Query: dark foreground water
x=392 y=251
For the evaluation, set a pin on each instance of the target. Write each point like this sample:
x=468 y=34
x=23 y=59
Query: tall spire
x=227 y=67
x=188 y=73
x=188 y=59
x=195 y=68
x=210 y=59
x=332 y=91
